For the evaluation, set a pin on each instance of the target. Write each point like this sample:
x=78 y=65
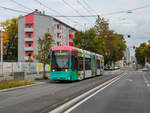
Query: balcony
x=28 y=29
x=70 y=43
x=71 y=36
x=28 y=39
x=28 y=48
x=27 y=58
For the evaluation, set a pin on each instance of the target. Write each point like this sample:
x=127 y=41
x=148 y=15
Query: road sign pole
x=1 y=46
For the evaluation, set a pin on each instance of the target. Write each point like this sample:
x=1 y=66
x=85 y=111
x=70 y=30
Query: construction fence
x=11 y=68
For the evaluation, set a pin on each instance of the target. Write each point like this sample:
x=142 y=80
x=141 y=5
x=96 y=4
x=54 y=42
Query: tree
x=115 y=44
x=11 y=29
x=139 y=54
x=44 y=45
x=142 y=52
x=5 y=42
x=101 y=25
x=83 y=39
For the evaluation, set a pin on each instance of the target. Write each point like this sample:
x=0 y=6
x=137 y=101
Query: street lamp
x=1 y=31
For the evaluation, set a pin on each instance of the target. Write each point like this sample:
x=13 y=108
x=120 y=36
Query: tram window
x=98 y=64
x=74 y=63
x=80 y=63
x=87 y=63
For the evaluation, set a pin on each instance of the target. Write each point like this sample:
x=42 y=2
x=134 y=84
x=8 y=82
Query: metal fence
x=8 y=69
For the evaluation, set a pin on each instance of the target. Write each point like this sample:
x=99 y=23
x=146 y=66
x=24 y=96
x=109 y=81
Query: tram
x=70 y=64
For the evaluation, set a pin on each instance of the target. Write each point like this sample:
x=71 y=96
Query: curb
x=21 y=87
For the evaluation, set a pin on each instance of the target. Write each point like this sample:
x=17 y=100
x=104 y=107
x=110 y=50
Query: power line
x=127 y=11
x=83 y=7
x=14 y=10
x=143 y=7
x=112 y=13
x=90 y=7
x=73 y=8
x=21 y=5
x=38 y=1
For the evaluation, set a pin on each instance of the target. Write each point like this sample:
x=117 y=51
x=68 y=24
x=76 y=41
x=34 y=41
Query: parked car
x=145 y=69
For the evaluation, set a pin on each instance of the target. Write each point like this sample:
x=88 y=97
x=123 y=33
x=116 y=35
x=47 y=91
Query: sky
x=135 y=24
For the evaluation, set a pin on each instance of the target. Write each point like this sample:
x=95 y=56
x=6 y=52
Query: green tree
x=83 y=39
x=101 y=25
x=142 y=52
x=44 y=45
x=115 y=44
x=11 y=28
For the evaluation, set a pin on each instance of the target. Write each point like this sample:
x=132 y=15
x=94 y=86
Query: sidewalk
x=27 y=76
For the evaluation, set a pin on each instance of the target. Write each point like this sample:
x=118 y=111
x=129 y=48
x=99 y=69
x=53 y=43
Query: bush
x=5 y=84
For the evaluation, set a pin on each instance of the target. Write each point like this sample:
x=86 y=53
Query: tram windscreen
x=60 y=59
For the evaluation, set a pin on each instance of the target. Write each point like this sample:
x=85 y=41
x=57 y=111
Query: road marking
x=82 y=98
x=146 y=81
x=130 y=80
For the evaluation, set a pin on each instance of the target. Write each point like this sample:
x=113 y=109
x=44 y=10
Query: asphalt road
x=46 y=97
x=130 y=94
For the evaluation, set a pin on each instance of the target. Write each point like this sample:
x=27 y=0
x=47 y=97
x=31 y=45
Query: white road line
x=146 y=81
x=75 y=106
x=84 y=96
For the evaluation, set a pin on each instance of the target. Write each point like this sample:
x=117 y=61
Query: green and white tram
x=70 y=63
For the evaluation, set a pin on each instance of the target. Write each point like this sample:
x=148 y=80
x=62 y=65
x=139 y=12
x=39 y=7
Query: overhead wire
x=86 y=3
x=38 y=1
x=112 y=13
x=21 y=5
x=14 y=10
x=87 y=10
x=67 y=4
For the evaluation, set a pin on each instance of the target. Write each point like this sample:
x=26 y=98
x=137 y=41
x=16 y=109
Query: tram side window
x=74 y=63
x=101 y=66
x=80 y=64
x=87 y=63
x=98 y=64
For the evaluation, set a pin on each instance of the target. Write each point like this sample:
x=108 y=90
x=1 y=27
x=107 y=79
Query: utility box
x=19 y=75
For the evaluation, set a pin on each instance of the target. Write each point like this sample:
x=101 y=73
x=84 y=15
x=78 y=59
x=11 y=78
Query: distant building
x=119 y=63
x=126 y=57
x=35 y=25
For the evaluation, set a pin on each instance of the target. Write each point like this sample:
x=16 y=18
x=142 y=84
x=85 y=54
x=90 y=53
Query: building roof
x=42 y=14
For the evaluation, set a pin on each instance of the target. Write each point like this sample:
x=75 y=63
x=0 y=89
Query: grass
x=5 y=84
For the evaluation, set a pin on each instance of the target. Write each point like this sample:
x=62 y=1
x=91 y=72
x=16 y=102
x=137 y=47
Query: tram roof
x=71 y=48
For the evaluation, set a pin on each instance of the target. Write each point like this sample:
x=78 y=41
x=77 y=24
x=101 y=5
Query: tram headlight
x=66 y=70
x=53 y=70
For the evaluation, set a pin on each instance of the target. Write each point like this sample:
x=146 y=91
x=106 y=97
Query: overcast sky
x=136 y=24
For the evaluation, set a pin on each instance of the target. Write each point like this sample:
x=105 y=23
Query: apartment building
x=35 y=25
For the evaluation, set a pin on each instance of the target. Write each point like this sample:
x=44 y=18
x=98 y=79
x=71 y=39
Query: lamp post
x=1 y=30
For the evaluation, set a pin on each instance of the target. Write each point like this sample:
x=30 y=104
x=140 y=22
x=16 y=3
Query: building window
x=58 y=34
x=29 y=44
x=29 y=25
x=29 y=53
x=58 y=43
x=29 y=35
x=57 y=26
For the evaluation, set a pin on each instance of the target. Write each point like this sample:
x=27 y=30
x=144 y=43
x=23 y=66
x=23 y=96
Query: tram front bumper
x=60 y=76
